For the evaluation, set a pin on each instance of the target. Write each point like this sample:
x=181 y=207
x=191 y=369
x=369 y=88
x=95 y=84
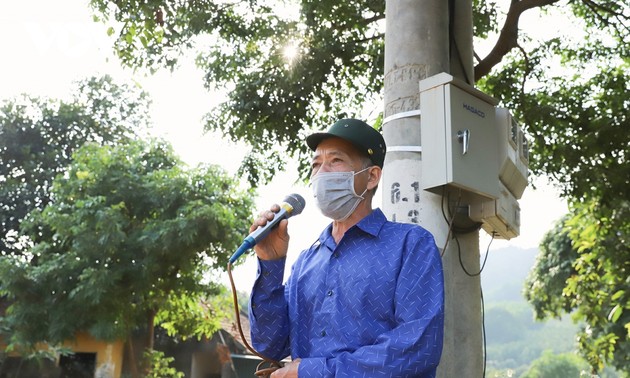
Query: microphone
x=293 y=204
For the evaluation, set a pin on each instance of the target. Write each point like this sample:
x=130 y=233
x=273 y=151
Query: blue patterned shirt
x=370 y=306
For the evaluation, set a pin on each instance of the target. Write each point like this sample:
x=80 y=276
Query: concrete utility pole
x=419 y=44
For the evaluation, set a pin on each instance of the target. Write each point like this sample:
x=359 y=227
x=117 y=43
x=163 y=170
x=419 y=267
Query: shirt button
x=329 y=293
x=323 y=334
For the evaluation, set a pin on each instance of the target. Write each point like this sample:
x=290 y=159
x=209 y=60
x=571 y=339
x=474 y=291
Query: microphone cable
x=261 y=370
x=293 y=204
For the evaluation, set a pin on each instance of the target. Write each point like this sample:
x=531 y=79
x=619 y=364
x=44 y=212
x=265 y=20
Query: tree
x=128 y=238
x=546 y=281
x=557 y=366
x=583 y=269
x=568 y=89
x=38 y=137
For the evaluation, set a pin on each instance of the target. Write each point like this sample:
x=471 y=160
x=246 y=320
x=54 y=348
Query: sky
x=48 y=45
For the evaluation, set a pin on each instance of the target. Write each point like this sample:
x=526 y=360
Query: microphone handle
x=247 y=244
x=259 y=234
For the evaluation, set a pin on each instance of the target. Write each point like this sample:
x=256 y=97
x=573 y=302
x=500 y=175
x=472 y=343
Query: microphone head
x=296 y=202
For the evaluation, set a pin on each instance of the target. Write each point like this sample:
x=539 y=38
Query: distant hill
x=514 y=338
x=505 y=272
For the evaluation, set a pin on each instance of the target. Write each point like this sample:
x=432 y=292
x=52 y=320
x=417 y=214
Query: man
x=367 y=298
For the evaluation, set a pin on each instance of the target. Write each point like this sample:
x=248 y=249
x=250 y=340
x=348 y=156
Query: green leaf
x=135 y=239
x=615 y=313
x=617 y=295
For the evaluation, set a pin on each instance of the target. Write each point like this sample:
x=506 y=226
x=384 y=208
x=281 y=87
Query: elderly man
x=364 y=300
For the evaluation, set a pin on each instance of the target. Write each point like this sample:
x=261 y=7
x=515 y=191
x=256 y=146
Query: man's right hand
x=276 y=244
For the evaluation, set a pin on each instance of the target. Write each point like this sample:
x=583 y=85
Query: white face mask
x=334 y=194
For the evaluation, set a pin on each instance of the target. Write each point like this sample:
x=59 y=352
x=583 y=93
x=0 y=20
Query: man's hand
x=276 y=244
x=289 y=370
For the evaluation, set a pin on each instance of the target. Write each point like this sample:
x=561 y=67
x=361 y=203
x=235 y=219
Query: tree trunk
x=132 y=357
x=150 y=342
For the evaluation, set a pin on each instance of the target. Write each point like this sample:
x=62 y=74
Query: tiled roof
x=229 y=325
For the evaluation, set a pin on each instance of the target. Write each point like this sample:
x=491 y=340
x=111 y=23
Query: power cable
x=448 y=222
x=483 y=329
x=261 y=371
x=452 y=40
x=485 y=259
x=461 y=263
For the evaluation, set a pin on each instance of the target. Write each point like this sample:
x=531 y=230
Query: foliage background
x=43 y=43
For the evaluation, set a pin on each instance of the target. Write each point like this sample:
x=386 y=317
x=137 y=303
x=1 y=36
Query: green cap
x=360 y=134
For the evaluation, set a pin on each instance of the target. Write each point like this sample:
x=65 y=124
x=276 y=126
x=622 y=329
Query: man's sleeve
x=414 y=347
x=268 y=313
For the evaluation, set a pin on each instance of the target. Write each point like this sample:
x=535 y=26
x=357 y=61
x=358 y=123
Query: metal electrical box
x=459 y=137
x=499 y=217
x=470 y=145
x=513 y=153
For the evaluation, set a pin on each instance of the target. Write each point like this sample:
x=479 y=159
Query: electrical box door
x=459 y=137
x=513 y=153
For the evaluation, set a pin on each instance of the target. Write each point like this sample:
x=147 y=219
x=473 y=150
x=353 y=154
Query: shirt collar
x=370 y=224
x=373 y=222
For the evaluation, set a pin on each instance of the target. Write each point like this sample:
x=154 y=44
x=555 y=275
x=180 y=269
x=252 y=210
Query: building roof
x=229 y=325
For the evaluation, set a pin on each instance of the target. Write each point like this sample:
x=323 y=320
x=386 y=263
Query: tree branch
x=597 y=9
x=368 y=39
x=593 y=5
x=375 y=18
x=527 y=68
x=508 y=38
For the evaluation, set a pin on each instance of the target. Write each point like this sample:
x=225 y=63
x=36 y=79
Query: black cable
x=457 y=229
x=483 y=309
x=442 y=204
x=448 y=222
x=483 y=329
x=485 y=259
x=453 y=41
x=461 y=263
x=451 y=27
